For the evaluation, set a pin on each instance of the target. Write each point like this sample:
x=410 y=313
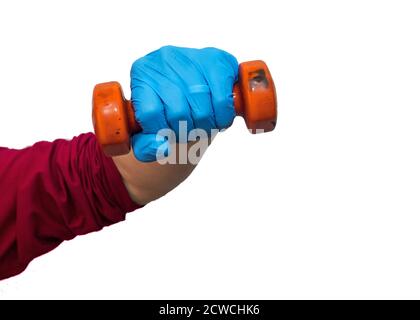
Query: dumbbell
x=114 y=122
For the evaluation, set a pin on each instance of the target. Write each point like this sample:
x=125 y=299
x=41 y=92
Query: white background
x=327 y=206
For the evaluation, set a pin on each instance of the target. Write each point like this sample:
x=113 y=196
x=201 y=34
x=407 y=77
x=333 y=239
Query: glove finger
x=188 y=74
x=175 y=104
x=221 y=73
x=150 y=147
x=148 y=107
x=200 y=101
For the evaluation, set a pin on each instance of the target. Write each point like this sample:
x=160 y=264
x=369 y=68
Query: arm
x=54 y=191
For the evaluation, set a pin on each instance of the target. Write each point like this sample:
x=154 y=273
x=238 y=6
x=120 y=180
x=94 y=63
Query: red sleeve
x=54 y=191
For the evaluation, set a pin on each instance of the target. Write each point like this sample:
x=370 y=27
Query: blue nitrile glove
x=176 y=84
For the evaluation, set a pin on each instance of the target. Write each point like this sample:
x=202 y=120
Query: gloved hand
x=176 y=84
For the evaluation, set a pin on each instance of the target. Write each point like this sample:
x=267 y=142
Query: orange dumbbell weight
x=114 y=121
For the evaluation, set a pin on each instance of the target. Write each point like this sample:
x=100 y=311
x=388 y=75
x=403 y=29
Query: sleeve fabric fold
x=54 y=191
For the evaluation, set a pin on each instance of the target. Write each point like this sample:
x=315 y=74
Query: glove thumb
x=150 y=147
